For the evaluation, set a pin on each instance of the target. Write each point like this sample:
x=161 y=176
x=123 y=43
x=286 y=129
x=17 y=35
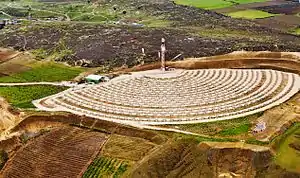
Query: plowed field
x=60 y=153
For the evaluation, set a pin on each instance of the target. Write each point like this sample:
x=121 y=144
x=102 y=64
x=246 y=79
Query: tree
x=3 y=158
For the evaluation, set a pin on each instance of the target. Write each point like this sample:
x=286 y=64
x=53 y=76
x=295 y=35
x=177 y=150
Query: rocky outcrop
x=7 y=118
x=236 y=159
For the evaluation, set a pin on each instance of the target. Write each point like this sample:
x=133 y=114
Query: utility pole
x=162 y=54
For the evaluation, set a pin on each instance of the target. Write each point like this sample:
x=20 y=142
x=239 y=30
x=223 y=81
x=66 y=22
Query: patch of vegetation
x=106 y=167
x=15 y=11
x=40 y=53
x=4 y=16
x=251 y=14
x=214 y=4
x=151 y=22
x=236 y=130
x=233 y=127
x=253 y=141
x=42 y=14
x=46 y=72
x=288 y=156
x=3 y=158
x=296 y=31
x=22 y=96
x=61 y=51
x=24 y=138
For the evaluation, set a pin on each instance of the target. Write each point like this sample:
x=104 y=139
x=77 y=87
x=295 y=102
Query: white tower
x=162 y=55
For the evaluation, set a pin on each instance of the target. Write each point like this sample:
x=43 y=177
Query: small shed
x=95 y=79
x=261 y=126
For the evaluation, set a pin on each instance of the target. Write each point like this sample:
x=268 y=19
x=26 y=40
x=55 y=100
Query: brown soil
x=290 y=8
x=10 y=68
x=6 y=54
x=10 y=145
x=250 y=6
x=283 y=22
x=59 y=153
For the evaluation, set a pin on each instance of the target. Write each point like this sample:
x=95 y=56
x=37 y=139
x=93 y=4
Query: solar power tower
x=162 y=55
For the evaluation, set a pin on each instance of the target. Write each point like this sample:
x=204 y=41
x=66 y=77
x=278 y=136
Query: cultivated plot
x=60 y=153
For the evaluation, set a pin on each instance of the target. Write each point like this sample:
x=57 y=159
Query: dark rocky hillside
x=193 y=33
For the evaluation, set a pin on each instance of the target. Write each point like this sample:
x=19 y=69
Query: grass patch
x=22 y=96
x=232 y=127
x=244 y=128
x=156 y=23
x=3 y=158
x=214 y=4
x=44 y=73
x=253 y=141
x=287 y=145
x=3 y=16
x=296 y=31
x=251 y=14
x=223 y=33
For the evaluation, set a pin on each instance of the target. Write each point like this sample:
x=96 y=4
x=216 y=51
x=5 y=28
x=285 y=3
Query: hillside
x=184 y=160
x=118 y=40
x=85 y=93
x=115 y=150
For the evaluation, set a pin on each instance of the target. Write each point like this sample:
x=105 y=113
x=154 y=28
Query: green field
x=21 y=96
x=251 y=14
x=214 y=4
x=106 y=167
x=44 y=73
x=288 y=149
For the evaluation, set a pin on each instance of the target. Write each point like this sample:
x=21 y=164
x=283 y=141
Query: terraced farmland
x=59 y=153
x=178 y=96
x=106 y=167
